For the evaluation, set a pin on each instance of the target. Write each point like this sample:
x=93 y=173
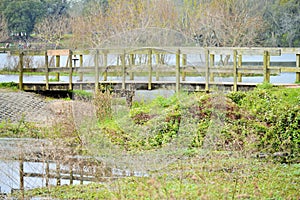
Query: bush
x=11 y=85
x=279 y=110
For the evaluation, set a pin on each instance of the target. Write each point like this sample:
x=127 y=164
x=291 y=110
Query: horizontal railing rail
x=128 y=63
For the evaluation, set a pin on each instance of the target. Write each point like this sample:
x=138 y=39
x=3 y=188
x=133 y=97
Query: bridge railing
x=126 y=63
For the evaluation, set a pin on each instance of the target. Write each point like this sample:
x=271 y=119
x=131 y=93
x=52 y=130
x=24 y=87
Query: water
x=10 y=176
x=12 y=148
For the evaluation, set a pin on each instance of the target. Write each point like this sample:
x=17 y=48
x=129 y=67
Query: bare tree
x=125 y=18
x=3 y=29
x=228 y=23
x=52 y=29
x=283 y=18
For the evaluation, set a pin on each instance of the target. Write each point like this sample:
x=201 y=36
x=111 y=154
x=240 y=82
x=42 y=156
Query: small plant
x=82 y=95
x=237 y=97
x=10 y=85
x=53 y=79
x=265 y=85
x=102 y=102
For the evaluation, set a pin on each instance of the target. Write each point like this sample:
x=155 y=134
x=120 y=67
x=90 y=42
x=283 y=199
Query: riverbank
x=238 y=145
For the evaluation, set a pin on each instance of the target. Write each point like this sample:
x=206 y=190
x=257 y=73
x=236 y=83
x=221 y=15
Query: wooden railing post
x=184 y=61
x=57 y=64
x=96 y=60
x=298 y=66
x=123 y=62
x=21 y=64
x=240 y=58
x=178 y=71
x=70 y=72
x=207 y=70
x=81 y=65
x=131 y=63
x=157 y=62
x=47 y=173
x=235 y=70
x=47 y=70
x=212 y=64
x=266 y=67
x=81 y=173
x=71 y=174
x=150 y=69
x=105 y=66
x=58 y=173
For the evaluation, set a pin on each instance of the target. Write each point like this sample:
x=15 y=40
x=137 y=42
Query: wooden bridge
x=152 y=64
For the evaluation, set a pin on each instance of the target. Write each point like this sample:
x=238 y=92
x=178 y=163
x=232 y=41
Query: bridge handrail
x=180 y=68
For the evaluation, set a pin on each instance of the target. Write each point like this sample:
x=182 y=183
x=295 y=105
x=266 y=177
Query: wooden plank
x=290 y=50
x=60 y=69
x=184 y=50
x=60 y=52
x=84 y=70
x=245 y=51
x=290 y=69
x=28 y=52
x=260 y=51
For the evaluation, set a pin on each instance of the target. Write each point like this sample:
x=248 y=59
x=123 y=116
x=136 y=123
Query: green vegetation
x=83 y=93
x=21 y=129
x=264 y=120
x=23 y=15
x=206 y=176
x=9 y=85
x=240 y=145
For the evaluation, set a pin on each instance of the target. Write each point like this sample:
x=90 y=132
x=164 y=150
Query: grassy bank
x=193 y=146
x=205 y=176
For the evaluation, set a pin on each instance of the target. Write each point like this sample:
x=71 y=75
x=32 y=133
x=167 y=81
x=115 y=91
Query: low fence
x=128 y=63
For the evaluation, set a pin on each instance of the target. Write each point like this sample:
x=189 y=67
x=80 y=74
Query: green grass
x=197 y=146
x=9 y=85
x=21 y=129
x=200 y=177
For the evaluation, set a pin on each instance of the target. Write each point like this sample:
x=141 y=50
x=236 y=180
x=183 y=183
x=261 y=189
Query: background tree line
x=95 y=23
